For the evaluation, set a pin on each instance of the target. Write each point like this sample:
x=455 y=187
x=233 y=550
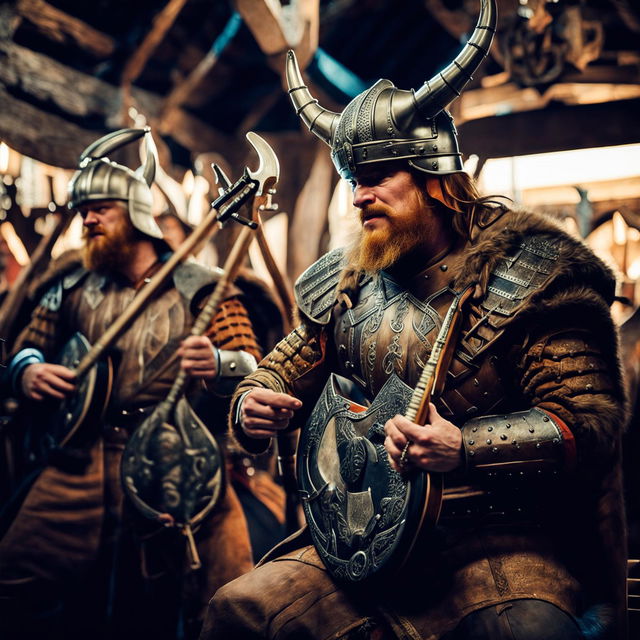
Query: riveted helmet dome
x=99 y=178
x=385 y=123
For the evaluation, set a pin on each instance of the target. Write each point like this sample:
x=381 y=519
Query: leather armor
x=389 y=328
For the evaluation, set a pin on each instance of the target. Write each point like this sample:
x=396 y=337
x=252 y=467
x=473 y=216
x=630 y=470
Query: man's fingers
x=265 y=411
x=196 y=354
x=394 y=434
x=50 y=390
x=262 y=433
x=197 y=366
x=392 y=448
x=272 y=399
x=261 y=423
x=61 y=372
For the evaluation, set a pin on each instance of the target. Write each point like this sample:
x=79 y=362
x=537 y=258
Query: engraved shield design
x=359 y=510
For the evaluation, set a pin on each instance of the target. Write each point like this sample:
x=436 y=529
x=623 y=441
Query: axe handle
x=230 y=271
x=139 y=302
x=283 y=288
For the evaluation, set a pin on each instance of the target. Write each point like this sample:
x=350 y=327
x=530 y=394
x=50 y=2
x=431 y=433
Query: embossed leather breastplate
x=391 y=328
x=147 y=345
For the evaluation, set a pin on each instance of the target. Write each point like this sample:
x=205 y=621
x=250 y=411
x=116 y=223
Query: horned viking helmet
x=385 y=123
x=99 y=178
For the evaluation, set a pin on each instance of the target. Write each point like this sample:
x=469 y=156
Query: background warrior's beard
x=381 y=248
x=110 y=251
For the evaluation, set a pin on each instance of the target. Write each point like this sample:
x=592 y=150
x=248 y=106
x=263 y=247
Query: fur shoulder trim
x=567 y=260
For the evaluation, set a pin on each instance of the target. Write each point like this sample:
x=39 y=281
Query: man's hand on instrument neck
x=437 y=446
x=47 y=380
x=264 y=412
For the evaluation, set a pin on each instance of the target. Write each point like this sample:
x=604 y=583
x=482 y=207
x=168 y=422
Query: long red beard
x=382 y=248
x=110 y=251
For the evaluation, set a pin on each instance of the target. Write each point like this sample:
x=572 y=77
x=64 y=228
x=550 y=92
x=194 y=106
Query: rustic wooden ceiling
x=204 y=72
x=561 y=75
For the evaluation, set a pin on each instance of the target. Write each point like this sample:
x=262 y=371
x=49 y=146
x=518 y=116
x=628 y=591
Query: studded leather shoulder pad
x=514 y=279
x=521 y=273
x=316 y=289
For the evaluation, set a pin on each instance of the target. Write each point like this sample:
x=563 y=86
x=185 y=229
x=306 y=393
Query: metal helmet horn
x=386 y=123
x=99 y=178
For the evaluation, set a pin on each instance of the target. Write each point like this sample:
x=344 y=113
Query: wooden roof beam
x=161 y=24
x=46 y=121
x=61 y=27
x=278 y=28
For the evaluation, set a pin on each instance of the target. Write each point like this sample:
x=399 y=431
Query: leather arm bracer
x=281 y=371
x=520 y=443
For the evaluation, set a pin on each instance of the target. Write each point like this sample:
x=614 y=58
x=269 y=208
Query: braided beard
x=109 y=252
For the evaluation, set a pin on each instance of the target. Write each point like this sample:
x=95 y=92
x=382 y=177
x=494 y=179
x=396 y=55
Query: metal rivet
x=435 y=147
x=545 y=419
x=443 y=267
x=474 y=429
x=232 y=365
x=472 y=453
x=538 y=445
x=508 y=425
x=488 y=441
x=589 y=387
x=531 y=430
x=494 y=449
x=503 y=437
x=472 y=441
x=434 y=165
x=489 y=428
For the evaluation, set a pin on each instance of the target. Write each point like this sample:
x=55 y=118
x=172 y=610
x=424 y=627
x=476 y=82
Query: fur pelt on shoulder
x=576 y=264
x=576 y=295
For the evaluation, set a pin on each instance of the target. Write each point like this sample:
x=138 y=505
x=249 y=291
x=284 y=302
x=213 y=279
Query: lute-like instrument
x=364 y=517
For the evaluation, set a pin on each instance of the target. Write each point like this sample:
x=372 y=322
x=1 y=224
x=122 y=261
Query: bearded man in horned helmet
x=77 y=560
x=524 y=424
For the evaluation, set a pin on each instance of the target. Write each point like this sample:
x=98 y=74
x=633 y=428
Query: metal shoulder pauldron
x=521 y=273
x=316 y=288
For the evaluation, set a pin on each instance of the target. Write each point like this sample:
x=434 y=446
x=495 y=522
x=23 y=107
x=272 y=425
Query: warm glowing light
x=504 y=175
x=4 y=157
x=619 y=229
x=198 y=203
x=15 y=244
x=188 y=182
x=634 y=269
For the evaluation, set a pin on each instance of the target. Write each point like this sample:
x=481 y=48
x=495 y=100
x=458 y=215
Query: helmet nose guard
x=385 y=123
x=99 y=178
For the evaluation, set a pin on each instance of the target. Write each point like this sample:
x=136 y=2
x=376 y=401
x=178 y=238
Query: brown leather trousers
x=75 y=548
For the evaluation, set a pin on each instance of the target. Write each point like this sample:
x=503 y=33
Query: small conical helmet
x=385 y=123
x=99 y=178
